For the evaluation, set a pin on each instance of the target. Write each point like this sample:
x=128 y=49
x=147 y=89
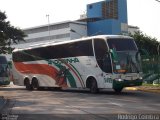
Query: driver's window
x=107 y=63
x=101 y=50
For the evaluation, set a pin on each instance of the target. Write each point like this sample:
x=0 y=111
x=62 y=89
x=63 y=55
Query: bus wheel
x=27 y=84
x=93 y=86
x=118 y=90
x=35 y=83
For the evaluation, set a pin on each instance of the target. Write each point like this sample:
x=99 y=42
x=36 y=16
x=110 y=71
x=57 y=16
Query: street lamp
x=48 y=26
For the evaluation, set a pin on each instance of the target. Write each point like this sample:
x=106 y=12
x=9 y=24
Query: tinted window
x=100 y=48
x=81 y=48
x=107 y=67
x=122 y=44
x=3 y=67
x=27 y=55
x=3 y=60
x=102 y=57
x=35 y=54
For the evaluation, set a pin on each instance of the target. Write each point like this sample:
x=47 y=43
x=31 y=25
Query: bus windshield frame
x=125 y=55
x=122 y=44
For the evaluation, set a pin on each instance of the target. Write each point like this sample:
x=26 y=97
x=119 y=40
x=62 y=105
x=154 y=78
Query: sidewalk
x=2 y=102
x=149 y=89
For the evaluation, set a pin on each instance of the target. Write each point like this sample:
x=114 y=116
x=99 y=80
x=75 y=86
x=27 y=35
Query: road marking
x=122 y=100
x=117 y=104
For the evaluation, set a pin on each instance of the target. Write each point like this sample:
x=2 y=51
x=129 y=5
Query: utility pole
x=48 y=26
x=158 y=48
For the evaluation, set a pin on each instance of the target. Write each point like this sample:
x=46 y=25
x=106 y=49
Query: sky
x=30 y=13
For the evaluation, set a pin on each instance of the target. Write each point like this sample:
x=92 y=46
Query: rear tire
x=27 y=84
x=35 y=84
x=93 y=87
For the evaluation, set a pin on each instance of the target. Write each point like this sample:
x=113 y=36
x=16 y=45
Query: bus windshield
x=127 y=62
x=121 y=44
x=3 y=67
x=125 y=56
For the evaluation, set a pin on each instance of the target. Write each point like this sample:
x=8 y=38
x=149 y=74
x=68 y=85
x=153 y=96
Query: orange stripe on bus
x=36 y=69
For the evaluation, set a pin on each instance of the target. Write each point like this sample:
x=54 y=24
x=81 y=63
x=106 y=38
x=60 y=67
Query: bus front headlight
x=119 y=80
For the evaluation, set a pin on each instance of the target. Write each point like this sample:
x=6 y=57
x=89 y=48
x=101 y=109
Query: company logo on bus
x=68 y=60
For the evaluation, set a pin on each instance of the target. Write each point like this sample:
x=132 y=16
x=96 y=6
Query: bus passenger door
x=104 y=62
x=107 y=70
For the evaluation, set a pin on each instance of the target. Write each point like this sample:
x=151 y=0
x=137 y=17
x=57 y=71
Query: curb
x=142 y=89
x=3 y=102
x=150 y=90
x=131 y=88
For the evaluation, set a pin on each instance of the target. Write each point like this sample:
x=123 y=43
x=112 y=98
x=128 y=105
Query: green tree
x=145 y=42
x=8 y=34
x=150 y=59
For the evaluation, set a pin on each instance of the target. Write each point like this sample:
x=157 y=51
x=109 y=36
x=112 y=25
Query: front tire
x=118 y=90
x=94 y=87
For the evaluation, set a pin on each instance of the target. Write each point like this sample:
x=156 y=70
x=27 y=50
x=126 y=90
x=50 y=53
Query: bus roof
x=70 y=41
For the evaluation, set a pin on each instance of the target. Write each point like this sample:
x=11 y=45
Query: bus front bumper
x=4 y=82
x=127 y=83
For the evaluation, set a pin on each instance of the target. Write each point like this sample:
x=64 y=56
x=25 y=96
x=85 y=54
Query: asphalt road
x=77 y=104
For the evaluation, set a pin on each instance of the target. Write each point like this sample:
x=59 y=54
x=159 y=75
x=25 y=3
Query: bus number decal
x=107 y=80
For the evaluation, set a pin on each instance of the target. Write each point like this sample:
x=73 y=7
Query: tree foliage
x=145 y=42
x=8 y=34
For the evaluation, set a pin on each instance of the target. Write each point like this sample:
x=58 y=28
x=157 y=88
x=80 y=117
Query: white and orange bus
x=98 y=62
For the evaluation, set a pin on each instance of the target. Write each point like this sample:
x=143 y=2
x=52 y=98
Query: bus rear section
x=4 y=71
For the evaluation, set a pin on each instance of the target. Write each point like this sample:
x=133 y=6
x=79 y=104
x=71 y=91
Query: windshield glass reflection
x=127 y=62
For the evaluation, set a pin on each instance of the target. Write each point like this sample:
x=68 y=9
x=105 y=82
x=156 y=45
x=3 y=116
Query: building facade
x=132 y=29
x=61 y=31
x=107 y=17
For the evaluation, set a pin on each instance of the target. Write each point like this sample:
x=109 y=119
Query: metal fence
x=151 y=68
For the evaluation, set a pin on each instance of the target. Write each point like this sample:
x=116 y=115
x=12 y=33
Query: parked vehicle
x=4 y=71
